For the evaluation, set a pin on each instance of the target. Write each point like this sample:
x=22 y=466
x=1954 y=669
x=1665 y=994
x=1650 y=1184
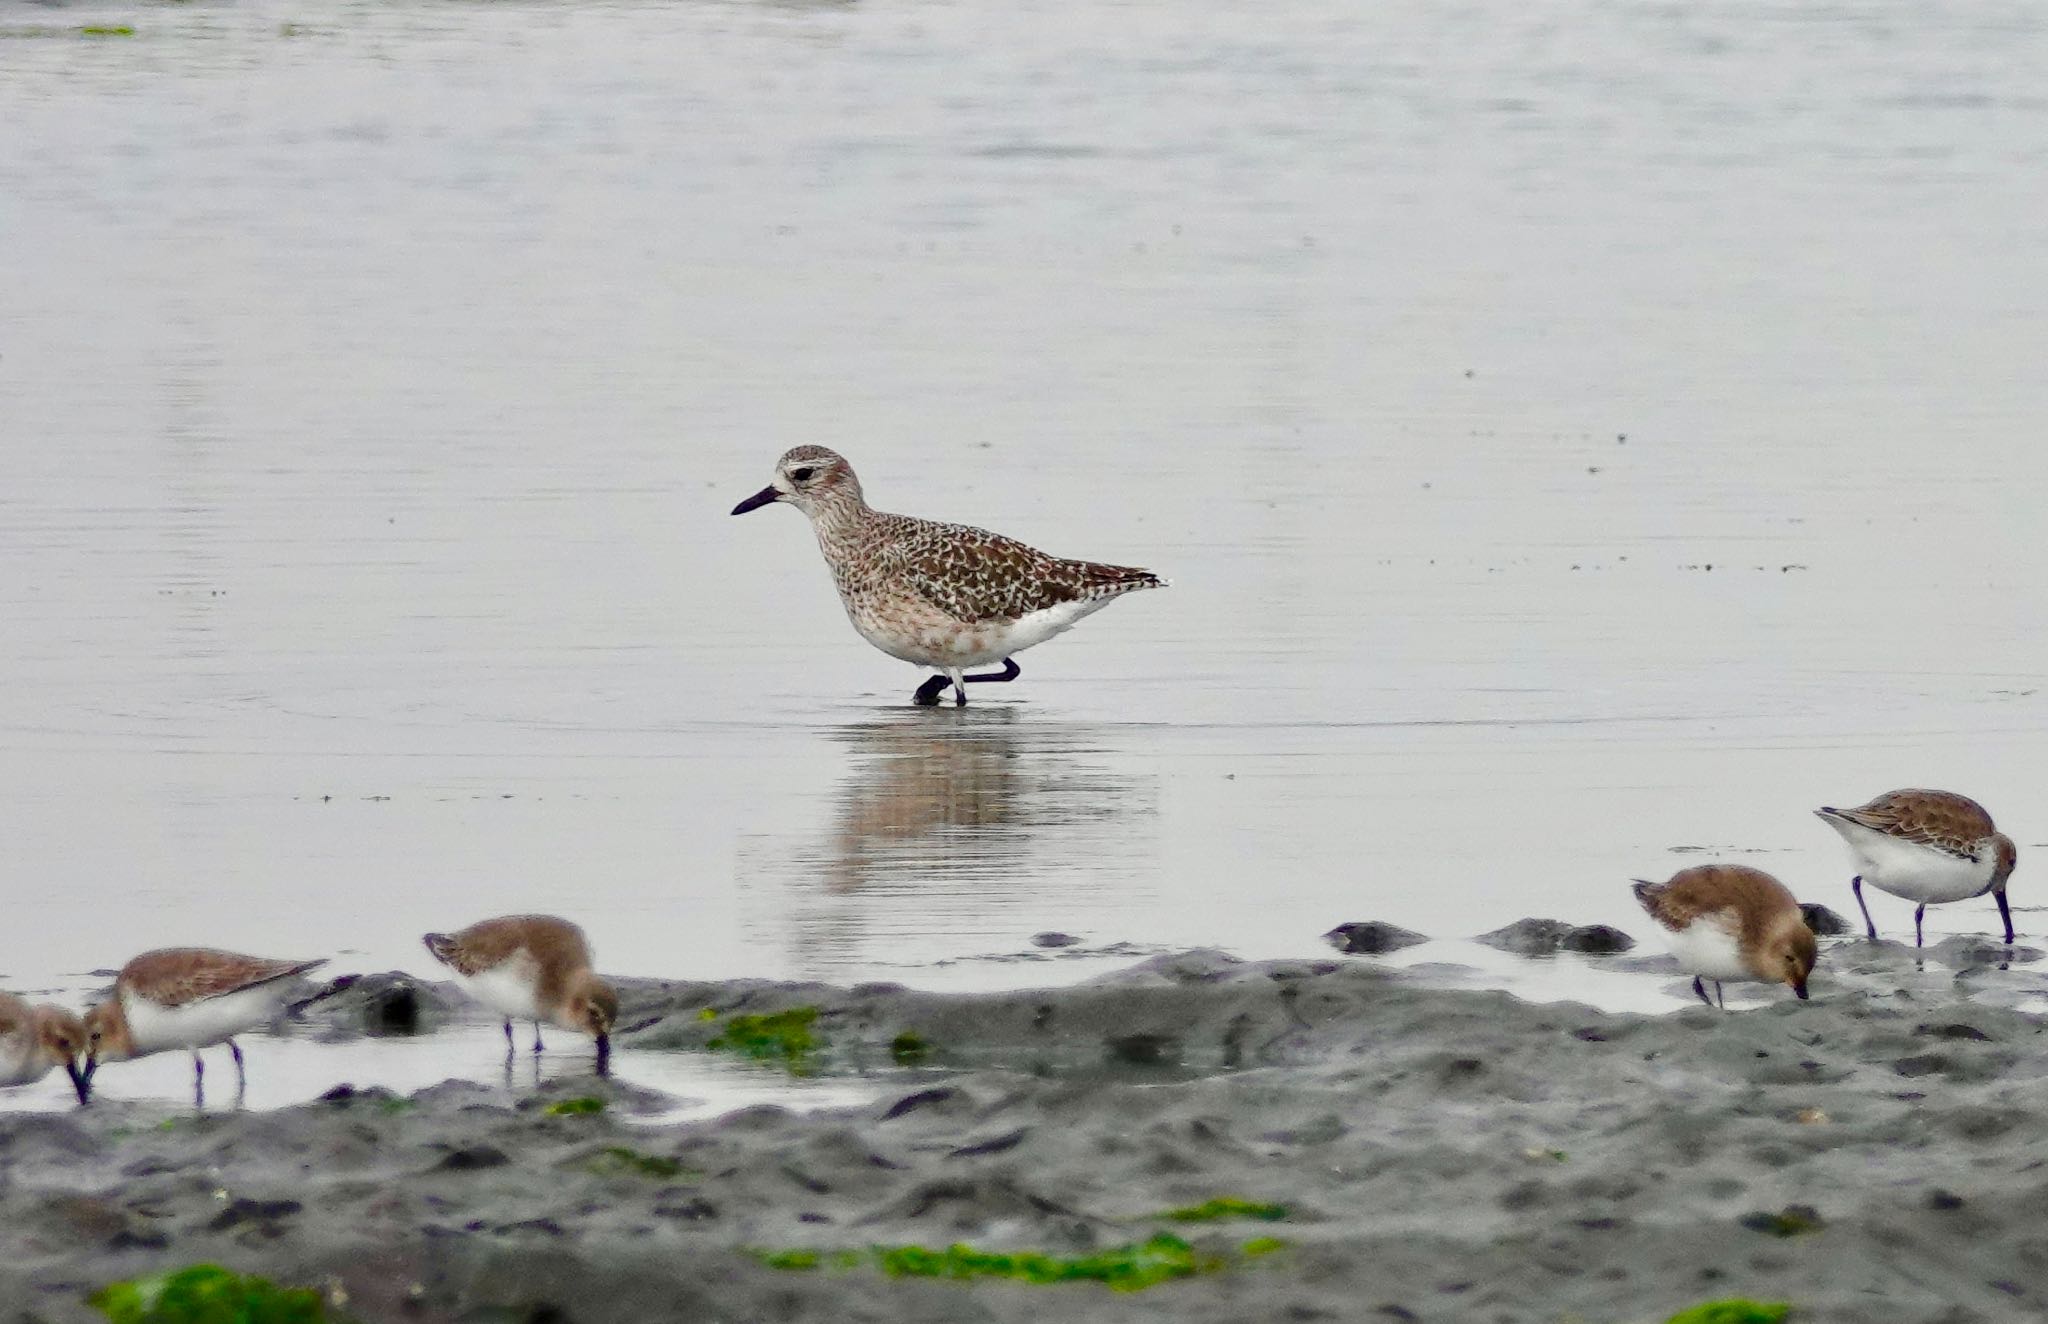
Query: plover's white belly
x=933 y=641
x=1913 y=871
x=1708 y=948
x=507 y=988
x=155 y=1027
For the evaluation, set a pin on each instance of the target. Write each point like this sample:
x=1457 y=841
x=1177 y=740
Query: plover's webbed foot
x=1856 y=886
x=927 y=695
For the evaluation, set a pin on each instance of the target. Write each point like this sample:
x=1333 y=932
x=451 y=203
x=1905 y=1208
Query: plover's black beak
x=758 y=500
x=80 y=1081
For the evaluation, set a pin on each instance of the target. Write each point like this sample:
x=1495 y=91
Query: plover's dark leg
x=1719 y=1000
x=1919 y=913
x=1701 y=990
x=536 y=1036
x=510 y=1047
x=198 y=1080
x=241 y=1073
x=2005 y=913
x=1856 y=886
x=1010 y=671
x=604 y=1055
x=927 y=695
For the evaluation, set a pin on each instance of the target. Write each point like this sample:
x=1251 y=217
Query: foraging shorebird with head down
x=35 y=1039
x=532 y=968
x=1728 y=922
x=190 y=998
x=1928 y=847
x=943 y=596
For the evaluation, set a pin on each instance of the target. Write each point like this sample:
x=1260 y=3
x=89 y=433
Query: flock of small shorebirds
x=947 y=597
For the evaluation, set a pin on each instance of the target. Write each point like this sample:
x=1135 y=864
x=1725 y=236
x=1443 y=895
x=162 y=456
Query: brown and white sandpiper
x=190 y=998
x=1728 y=922
x=1928 y=847
x=943 y=596
x=532 y=968
x=35 y=1040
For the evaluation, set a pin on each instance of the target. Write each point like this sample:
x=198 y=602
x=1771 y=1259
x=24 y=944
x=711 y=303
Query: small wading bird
x=1727 y=922
x=943 y=596
x=532 y=968
x=191 y=998
x=33 y=1040
x=1928 y=847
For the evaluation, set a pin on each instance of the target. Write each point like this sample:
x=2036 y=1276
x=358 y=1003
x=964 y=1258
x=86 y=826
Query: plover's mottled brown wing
x=487 y=943
x=974 y=576
x=1710 y=888
x=176 y=976
x=1942 y=820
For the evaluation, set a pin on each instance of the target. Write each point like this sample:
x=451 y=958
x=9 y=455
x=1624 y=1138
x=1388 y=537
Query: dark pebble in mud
x=1371 y=937
x=1823 y=921
x=1053 y=938
x=1547 y=937
x=1597 y=940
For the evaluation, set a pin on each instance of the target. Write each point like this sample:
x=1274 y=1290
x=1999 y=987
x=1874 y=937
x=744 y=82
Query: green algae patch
x=1733 y=1312
x=782 y=1037
x=1794 y=1220
x=1225 y=1207
x=106 y=30
x=1258 y=1246
x=208 y=1294
x=618 y=1160
x=574 y=1107
x=1130 y=1268
x=909 y=1048
x=790 y=1259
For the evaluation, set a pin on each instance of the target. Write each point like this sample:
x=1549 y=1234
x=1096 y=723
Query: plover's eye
x=802 y=475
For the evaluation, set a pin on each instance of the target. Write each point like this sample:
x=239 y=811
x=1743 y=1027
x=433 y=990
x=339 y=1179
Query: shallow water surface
x=1582 y=441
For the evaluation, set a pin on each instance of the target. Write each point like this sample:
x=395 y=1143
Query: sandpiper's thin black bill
x=79 y=1082
x=756 y=501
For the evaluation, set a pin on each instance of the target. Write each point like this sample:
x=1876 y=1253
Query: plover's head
x=60 y=1039
x=1787 y=953
x=810 y=478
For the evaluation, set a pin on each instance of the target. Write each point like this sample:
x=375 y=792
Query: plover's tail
x=442 y=946
x=1107 y=581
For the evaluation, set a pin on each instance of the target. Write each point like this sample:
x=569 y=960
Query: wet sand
x=1440 y=1154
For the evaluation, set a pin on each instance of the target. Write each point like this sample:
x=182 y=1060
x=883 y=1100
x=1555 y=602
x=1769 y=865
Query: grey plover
x=36 y=1040
x=190 y=998
x=943 y=596
x=532 y=968
x=1928 y=847
x=1728 y=922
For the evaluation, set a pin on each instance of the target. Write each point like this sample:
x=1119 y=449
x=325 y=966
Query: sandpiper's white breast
x=508 y=987
x=197 y=1024
x=1708 y=947
x=20 y=1063
x=1912 y=870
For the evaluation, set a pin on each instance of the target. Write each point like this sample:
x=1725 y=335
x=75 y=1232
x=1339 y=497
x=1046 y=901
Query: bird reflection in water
x=956 y=829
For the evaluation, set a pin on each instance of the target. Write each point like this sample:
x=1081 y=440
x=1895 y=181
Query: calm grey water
x=1583 y=438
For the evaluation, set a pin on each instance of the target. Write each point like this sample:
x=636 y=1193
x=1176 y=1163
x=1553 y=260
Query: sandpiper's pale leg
x=1856 y=886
